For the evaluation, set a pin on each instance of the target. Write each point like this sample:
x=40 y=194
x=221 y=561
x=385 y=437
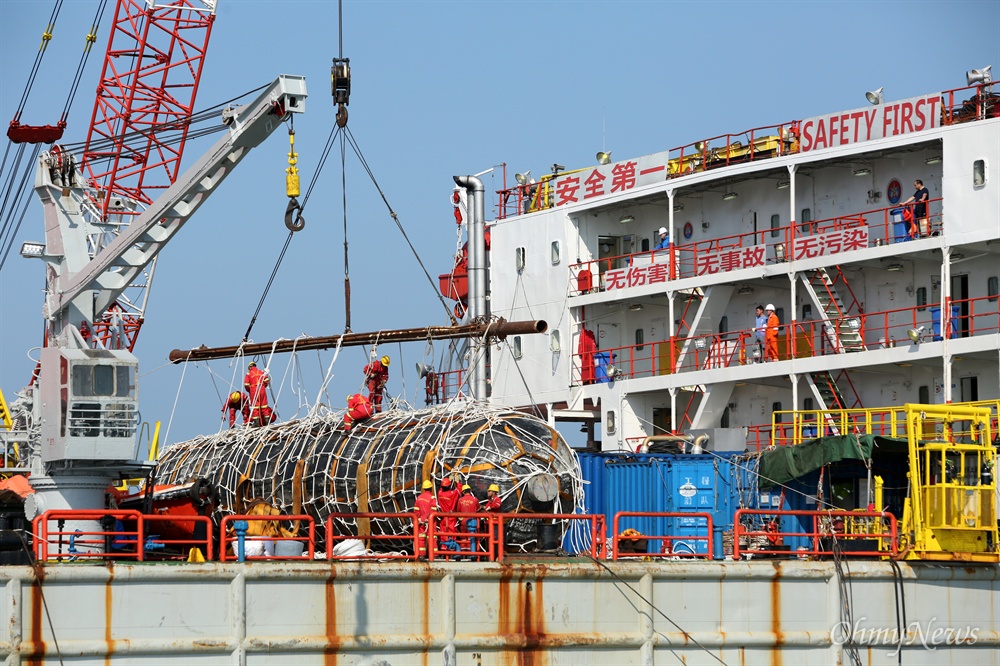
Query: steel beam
x=494 y=329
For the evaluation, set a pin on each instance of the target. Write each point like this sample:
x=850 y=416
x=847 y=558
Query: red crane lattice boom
x=139 y=127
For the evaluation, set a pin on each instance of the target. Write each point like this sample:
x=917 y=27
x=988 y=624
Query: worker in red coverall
x=448 y=501
x=491 y=504
x=237 y=402
x=256 y=383
x=468 y=503
x=376 y=376
x=424 y=506
x=359 y=408
x=771 y=334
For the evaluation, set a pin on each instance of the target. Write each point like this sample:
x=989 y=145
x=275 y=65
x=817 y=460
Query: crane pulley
x=340 y=83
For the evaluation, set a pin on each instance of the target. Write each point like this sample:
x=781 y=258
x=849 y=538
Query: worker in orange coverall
x=237 y=402
x=424 y=506
x=376 y=376
x=256 y=383
x=448 y=501
x=468 y=503
x=771 y=334
x=359 y=408
x=492 y=503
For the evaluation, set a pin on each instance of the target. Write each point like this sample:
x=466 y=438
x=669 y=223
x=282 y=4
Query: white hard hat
x=662 y=230
x=770 y=307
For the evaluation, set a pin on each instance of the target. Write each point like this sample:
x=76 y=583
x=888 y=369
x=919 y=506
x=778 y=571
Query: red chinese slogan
x=611 y=178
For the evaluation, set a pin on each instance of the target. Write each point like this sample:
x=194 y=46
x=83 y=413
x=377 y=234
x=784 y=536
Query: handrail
x=445 y=542
x=791 y=242
x=882 y=329
x=368 y=535
x=761 y=143
x=228 y=537
x=667 y=541
x=844 y=533
x=596 y=524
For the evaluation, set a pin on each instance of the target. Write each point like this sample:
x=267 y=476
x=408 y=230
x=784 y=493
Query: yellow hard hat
x=466 y=487
x=494 y=487
x=252 y=364
x=426 y=485
x=385 y=361
x=235 y=396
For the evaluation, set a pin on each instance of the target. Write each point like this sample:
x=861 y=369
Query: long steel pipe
x=494 y=329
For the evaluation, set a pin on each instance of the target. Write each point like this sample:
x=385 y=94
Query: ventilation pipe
x=475 y=195
x=697 y=443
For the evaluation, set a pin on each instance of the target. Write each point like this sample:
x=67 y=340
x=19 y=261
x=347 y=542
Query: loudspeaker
x=979 y=75
x=423 y=370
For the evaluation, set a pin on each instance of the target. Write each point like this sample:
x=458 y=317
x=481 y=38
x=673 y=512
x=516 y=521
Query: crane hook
x=294 y=209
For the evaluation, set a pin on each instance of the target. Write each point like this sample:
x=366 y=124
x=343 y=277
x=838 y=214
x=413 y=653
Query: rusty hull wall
x=455 y=613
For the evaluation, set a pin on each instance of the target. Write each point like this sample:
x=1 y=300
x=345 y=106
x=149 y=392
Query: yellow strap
x=292 y=179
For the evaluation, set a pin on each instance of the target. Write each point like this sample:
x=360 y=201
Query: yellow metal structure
x=154 y=455
x=951 y=512
x=795 y=427
x=5 y=418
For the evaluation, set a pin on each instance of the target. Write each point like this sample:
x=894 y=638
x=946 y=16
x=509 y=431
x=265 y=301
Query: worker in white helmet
x=664 y=239
x=771 y=334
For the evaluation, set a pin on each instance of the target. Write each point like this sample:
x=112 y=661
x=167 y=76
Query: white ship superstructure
x=805 y=215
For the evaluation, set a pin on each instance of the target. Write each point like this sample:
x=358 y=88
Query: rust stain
x=776 y=614
x=521 y=620
x=108 y=639
x=425 y=618
x=332 y=638
x=36 y=658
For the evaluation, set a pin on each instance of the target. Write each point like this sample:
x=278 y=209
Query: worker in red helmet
x=467 y=503
x=256 y=383
x=237 y=402
x=425 y=504
x=448 y=501
x=359 y=408
x=376 y=377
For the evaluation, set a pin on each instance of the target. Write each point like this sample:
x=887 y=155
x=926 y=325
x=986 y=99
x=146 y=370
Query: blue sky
x=444 y=88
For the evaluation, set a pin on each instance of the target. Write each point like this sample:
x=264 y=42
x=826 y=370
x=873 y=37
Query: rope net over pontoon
x=378 y=466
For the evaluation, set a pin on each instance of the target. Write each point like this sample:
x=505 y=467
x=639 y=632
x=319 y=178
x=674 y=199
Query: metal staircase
x=826 y=391
x=840 y=328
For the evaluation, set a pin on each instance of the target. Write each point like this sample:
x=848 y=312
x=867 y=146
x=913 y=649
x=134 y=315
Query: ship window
x=806 y=217
x=807 y=312
x=125 y=381
x=644 y=246
x=775 y=225
x=979 y=173
x=924 y=395
x=807 y=404
x=640 y=339
x=776 y=408
x=519 y=259
x=516 y=347
x=780 y=312
x=921 y=298
x=555 y=341
x=610 y=422
x=991 y=288
x=83 y=380
x=555 y=252
x=104 y=380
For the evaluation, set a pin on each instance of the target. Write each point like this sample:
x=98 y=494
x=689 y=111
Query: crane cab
x=97 y=402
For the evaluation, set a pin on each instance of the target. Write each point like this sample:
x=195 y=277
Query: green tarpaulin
x=785 y=463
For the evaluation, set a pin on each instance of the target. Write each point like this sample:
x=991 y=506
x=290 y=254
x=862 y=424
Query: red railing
x=638 y=546
x=792 y=242
x=127 y=537
x=979 y=103
x=802 y=339
x=595 y=524
x=338 y=531
x=449 y=385
x=448 y=536
x=229 y=538
x=856 y=533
